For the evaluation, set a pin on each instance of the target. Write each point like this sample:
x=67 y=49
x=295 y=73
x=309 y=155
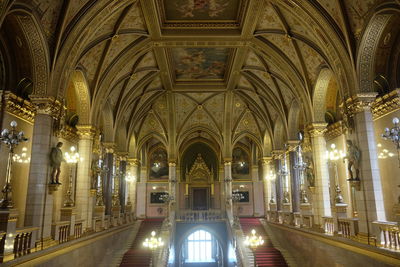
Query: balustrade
x=390 y=234
x=23 y=241
x=200 y=215
x=78 y=229
x=347 y=227
x=329 y=226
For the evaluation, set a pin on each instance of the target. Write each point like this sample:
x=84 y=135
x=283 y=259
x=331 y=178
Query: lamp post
x=71 y=158
x=333 y=155
x=167 y=198
x=393 y=134
x=12 y=138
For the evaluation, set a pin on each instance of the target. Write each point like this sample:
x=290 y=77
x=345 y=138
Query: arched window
x=200 y=246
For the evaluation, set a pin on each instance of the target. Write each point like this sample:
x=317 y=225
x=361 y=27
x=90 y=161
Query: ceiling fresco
x=199 y=64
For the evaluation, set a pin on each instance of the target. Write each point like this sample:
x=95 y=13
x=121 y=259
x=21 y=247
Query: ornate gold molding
x=86 y=131
x=276 y=154
x=69 y=133
x=47 y=105
x=109 y=146
x=133 y=162
x=359 y=103
x=317 y=129
x=266 y=161
x=334 y=130
x=292 y=144
x=386 y=104
x=18 y=106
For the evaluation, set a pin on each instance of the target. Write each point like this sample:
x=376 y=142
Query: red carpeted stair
x=138 y=255
x=265 y=255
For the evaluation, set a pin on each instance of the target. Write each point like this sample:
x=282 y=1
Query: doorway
x=200 y=198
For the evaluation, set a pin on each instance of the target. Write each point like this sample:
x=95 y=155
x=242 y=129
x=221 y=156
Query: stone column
x=122 y=182
x=322 y=199
x=294 y=177
x=108 y=177
x=141 y=193
x=39 y=201
x=172 y=190
x=369 y=199
x=228 y=184
x=84 y=201
x=258 y=202
x=266 y=164
x=278 y=181
x=131 y=186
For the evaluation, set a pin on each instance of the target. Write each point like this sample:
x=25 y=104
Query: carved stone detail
x=86 y=131
x=360 y=102
x=386 y=104
x=19 y=107
x=317 y=129
x=334 y=130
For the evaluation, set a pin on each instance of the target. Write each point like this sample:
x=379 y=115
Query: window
x=200 y=247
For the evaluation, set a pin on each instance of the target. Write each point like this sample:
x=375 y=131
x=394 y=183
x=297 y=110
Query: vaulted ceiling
x=225 y=68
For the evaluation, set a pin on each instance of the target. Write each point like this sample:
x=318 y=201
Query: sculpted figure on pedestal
x=56 y=157
x=353 y=156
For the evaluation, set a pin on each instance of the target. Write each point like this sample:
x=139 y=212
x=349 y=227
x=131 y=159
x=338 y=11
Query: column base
x=307 y=217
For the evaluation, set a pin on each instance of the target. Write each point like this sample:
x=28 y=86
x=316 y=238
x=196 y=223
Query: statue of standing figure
x=353 y=156
x=56 y=157
x=309 y=172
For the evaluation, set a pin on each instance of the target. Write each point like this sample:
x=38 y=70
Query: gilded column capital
x=266 y=160
x=122 y=155
x=46 y=105
x=317 y=129
x=386 y=104
x=227 y=161
x=133 y=162
x=360 y=102
x=277 y=153
x=109 y=147
x=292 y=144
x=86 y=131
x=18 y=106
x=172 y=163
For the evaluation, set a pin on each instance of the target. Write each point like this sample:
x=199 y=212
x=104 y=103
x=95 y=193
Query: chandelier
x=253 y=241
x=153 y=242
x=393 y=135
x=71 y=158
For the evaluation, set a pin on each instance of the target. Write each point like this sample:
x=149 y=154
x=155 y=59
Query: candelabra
x=153 y=242
x=71 y=158
x=333 y=155
x=167 y=198
x=301 y=167
x=283 y=173
x=393 y=134
x=253 y=241
x=101 y=169
x=12 y=138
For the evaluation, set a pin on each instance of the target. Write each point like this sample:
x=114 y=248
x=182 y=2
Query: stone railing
x=61 y=231
x=347 y=227
x=329 y=225
x=78 y=229
x=23 y=241
x=200 y=215
x=390 y=234
x=161 y=256
x=297 y=219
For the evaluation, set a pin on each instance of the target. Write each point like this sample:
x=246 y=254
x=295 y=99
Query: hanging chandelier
x=153 y=242
x=253 y=241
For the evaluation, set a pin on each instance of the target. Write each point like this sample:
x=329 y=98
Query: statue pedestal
x=341 y=210
x=99 y=216
x=69 y=214
x=8 y=224
x=307 y=217
x=116 y=215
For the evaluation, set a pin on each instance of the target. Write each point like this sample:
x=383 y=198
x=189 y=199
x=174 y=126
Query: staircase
x=265 y=255
x=137 y=255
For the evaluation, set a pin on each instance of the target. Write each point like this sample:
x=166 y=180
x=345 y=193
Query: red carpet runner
x=265 y=255
x=137 y=255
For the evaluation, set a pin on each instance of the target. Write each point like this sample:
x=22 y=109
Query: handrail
x=200 y=215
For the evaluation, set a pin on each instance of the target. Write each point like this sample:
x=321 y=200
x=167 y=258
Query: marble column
x=141 y=193
x=278 y=181
x=258 y=192
x=131 y=186
x=84 y=201
x=294 y=177
x=39 y=201
x=228 y=185
x=122 y=183
x=266 y=165
x=108 y=177
x=369 y=199
x=322 y=199
x=172 y=190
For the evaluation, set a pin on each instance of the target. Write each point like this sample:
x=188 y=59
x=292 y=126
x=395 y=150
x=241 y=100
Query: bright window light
x=199 y=247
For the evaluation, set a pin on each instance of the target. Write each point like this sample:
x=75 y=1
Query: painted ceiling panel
x=269 y=19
